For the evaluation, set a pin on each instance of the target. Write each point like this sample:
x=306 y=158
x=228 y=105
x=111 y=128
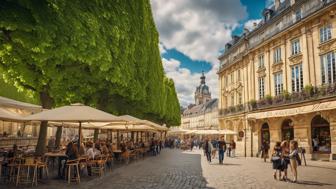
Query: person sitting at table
x=72 y=154
x=141 y=144
x=104 y=149
x=96 y=150
x=123 y=147
x=13 y=152
x=82 y=150
x=90 y=151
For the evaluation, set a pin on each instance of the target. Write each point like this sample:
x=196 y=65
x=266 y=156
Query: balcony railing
x=309 y=93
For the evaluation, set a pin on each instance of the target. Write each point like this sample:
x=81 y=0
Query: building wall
x=244 y=58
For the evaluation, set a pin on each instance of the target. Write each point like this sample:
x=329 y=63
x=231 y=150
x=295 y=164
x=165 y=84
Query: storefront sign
x=294 y=111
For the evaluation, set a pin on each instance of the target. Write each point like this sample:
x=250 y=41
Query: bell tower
x=202 y=93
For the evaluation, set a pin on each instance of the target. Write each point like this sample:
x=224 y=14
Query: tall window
x=296 y=46
x=278 y=83
x=239 y=79
x=325 y=33
x=232 y=76
x=232 y=99
x=277 y=54
x=261 y=81
x=297 y=78
x=261 y=61
x=240 y=98
x=328 y=68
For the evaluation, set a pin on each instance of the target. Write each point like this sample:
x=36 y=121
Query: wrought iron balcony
x=310 y=93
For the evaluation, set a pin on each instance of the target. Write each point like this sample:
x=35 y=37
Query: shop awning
x=294 y=111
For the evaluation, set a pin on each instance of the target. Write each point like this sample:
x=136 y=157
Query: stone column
x=333 y=139
x=302 y=131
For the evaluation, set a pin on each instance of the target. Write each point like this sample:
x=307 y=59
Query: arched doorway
x=287 y=130
x=265 y=134
x=320 y=133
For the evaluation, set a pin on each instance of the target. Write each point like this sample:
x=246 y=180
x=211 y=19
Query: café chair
x=73 y=164
x=26 y=172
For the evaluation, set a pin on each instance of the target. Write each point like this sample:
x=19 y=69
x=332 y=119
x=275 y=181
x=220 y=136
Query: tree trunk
x=47 y=103
x=95 y=135
x=58 y=137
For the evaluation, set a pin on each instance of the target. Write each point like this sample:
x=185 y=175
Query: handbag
x=275 y=158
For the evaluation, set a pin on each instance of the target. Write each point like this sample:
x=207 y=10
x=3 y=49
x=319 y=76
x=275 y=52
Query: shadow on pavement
x=226 y=164
x=321 y=167
x=312 y=183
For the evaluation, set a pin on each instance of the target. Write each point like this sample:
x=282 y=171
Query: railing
x=309 y=93
x=20 y=141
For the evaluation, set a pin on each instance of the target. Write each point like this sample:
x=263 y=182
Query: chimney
x=276 y=4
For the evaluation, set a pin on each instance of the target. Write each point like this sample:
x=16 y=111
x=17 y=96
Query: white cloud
x=197 y=28
x=186 y=82
x=250 y=24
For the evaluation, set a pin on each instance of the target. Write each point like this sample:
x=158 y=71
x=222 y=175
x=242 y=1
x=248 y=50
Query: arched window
x=265 y=134
x=287 y=130
x=320 y=133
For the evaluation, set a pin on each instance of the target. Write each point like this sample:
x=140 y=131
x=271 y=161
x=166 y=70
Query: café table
x=117 y=153
x=61 y=156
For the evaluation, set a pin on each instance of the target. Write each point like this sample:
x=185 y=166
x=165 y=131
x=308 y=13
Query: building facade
x=278 y=81
x=204 y=113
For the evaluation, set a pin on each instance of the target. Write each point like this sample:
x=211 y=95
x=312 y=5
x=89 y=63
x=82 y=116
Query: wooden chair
x=26 y=172
x=83 y=163
x=98 y=165
x=126 y=156
x=42 y=164
x=73 y=164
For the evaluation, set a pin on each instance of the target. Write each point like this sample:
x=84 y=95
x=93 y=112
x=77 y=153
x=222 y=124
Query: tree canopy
x=102 y=53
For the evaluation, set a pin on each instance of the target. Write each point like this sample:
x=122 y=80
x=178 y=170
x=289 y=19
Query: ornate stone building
x=278 y=81
x=204 y=113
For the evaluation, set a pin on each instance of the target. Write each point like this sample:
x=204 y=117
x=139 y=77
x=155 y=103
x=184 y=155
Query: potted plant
x=322 y=90
x=309 y=90
x=286 y=95
x=252 y=104
x=269 y=99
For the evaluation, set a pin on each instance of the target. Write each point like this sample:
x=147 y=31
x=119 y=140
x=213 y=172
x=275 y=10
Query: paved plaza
x=184 y=169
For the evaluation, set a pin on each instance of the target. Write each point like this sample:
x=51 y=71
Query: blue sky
x=192 y=34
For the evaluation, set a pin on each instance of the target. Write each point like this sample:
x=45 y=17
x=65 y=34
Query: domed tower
x=202 y=93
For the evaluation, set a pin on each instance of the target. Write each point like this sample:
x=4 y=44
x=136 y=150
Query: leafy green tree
x=102 y=53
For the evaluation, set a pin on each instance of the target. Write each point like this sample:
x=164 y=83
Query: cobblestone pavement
x=175 y=169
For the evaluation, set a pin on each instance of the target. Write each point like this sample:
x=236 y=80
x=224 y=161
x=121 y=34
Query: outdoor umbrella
x=10 y=116
x=207 y=132
x=156 y=126
x=74 y=113
x=129 y=127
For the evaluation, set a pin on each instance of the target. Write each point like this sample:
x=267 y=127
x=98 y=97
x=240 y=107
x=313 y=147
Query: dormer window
x=267 y=14
x=298 y=14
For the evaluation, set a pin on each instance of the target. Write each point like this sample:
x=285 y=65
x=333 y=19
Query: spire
x=202 y=78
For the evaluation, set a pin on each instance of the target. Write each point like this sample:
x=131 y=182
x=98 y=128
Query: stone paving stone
x=175 y=169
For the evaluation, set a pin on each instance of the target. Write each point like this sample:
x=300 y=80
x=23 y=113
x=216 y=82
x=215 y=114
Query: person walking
x=221 y=150
x=191 y=144
x=208 y=149
x=276 y=160
x=294 y=159
x=284 y=159
x=229 y=150
x=214 y=149
x=233 y=148
x=265 y=149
